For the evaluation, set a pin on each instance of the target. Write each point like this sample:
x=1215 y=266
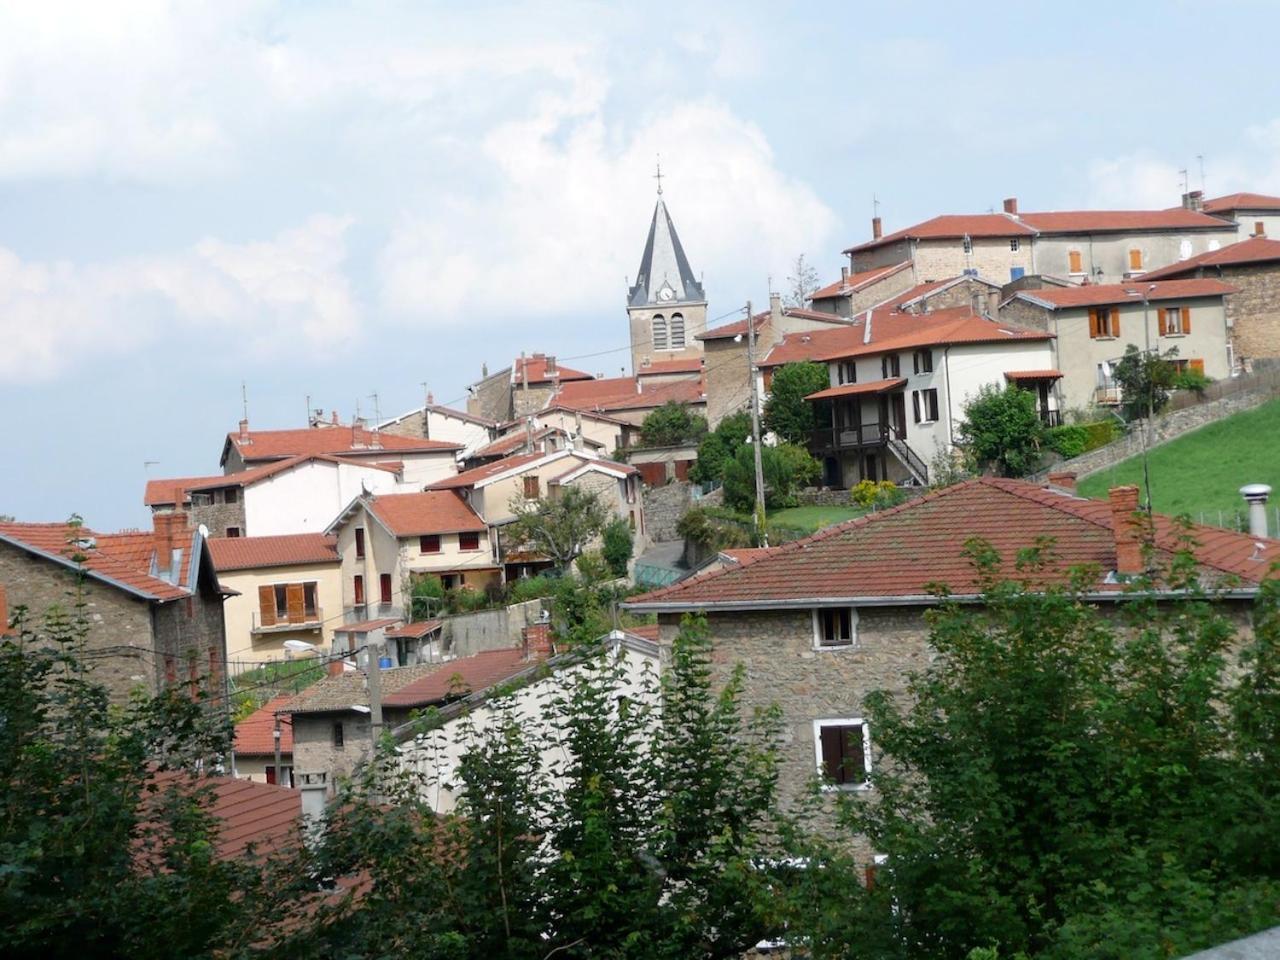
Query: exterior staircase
x=910 y=459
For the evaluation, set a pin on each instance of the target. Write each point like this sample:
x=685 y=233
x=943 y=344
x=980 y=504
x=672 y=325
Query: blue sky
x=332 y=200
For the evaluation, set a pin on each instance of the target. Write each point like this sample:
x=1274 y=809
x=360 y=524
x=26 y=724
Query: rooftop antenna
x=308 y=420
x=658 y=176
x=244 y=399
x=875 y=205
x=1200 y=158
x=1186 y=183
x=377 y=411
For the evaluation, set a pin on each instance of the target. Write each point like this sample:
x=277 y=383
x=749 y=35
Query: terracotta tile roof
x=897 y=331
x=1252 y=250
x=345 y=441
x=465 y=675
x=415 y=631
x=469 y=478
x=899 y=553
x=366 y=626
x=250 y=553
x=589 y=414
x=1109 y=221
x=444 y=412
x=160 y=492
x=174 y=489
x=858 y=281
x=1033 y=374
x=727 y=331
x=262 y=815
x=656 y=367
x=431 y=511
x=255 y=734
x=953 y=226
x=121 y=560
x=514 y=441
x=646 y=631
x=339 y=694
x=853 y=389
x=1241 y=201
x=1059 y=298
x=535 y=368
x=627 y=393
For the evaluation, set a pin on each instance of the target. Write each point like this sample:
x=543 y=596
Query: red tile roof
x=431 y=511
x=1099 y=294
x=1033 y=374
x=174 y=489
x=121 y=560
x=345 y=441
x=465 y=675
x=250 y=553
x=953 y=226
x=514 y=441
x=1252 y=250
x=1241 y=201
x=727 y=331
x=415 y=631
x=469 y=478
x=897 y=331
x=858 y=281
x=899 y=553
x=366 y=626
x=255 y=734
x=1110 y=221
x=262 y=815
x=627 y=393
x=160 y=492
x=853 y=389
x=535 y=368
x=646 y=631
x=655 y=367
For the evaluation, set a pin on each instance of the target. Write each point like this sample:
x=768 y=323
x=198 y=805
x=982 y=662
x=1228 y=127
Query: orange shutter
x=267 y=605
x=1115 y=321
x=1076 y=266
x=1135 y=259
x=1093 y=322
x=1163 y=314
x=1197 y=366
x=1186 y=321
x=295 y=596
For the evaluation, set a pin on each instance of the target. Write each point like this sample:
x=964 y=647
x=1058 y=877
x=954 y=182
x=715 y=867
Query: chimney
x=537 y=641
x=333 y=417
x=1124 y=527
x=244 y=431
x=1064 y=480
x=336 y=667
x=975 y=302
x=844 y=274
x=169 y=534
x=551 y=365
x=1255 y=495
x=993 y=304
x=1011 y=206
x=1194 y=200
x=877 y=231
x=775 y=310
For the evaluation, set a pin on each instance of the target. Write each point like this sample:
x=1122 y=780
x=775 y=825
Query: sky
x=327 y=201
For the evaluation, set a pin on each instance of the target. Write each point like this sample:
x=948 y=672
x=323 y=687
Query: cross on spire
x=658 y=176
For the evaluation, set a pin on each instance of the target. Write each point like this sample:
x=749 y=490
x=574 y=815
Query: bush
x=672 y=424
x=876 y=495
x=720 y=446
x=467 y=600
x=617 y=546
x=426 y=597
x=787 y=413
x=712 y=530
x=786 y=469
x=530 y=588
x=1002 y=430
x=1188 y=379
x=1100 y=433
x=1070 y=441
x=593 y=568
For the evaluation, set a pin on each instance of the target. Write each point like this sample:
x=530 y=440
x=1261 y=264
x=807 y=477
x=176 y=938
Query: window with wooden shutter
x=1162 y=317
x=1093 y=323
x=1076 y=262
x=296 y=597
x=531 y=488
x=929 y=404
x=915 y=405
x=384 y=587
x=282 y=602
x=359 y=543
x=468 y=541
x=429 y=543
x=1113 y=321
x=834 y=627
x=1259 y=228
x=309 y=606
x=1135 y=259
x=357 y=587
x=267 y=605
x=1186 y=319
x=841 y=747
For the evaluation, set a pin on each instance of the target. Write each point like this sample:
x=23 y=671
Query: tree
x=672 y=424
x=787 y=413
x=618 y=542
x=1002 y=430
x=786 y=468
x=803 y=282
x=1145 y=379
x=1061 y=782
x=720 y=446
x=560 y=527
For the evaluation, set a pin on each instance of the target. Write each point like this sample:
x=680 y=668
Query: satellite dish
x=204 y=532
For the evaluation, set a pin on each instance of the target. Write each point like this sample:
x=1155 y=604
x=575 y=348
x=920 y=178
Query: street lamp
x=1148 y=371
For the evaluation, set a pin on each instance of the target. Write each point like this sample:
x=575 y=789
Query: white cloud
x=283 y=297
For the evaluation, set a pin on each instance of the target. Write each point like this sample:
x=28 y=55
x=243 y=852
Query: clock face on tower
x=665 y=294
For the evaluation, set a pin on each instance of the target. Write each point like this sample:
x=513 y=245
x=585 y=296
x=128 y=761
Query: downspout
x=946 y=376
x=915 y=273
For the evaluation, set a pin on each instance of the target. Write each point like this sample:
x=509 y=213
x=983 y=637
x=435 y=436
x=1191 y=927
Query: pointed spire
x=665 y=276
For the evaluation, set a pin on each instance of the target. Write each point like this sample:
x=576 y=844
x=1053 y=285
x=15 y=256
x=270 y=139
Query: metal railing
x=850 y=438
x=283 y=621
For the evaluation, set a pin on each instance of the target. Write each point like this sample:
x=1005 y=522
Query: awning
x=853 y=389
x=1033 y=375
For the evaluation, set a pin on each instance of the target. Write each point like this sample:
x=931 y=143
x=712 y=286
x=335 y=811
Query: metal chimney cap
x=1255 y=492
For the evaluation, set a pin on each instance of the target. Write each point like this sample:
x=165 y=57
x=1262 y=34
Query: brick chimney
x=244 y=431
x=877 y=230
x=336 y=667
x=775 y=310
x=1194 y=200
x=169 y=534
x=550 y=365
x=1064 y=480
x=1126 y=530
x=1011 y=206
x=537 y=641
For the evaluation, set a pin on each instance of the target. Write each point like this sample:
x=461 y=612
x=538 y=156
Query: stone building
x=150 y=601
x=1093 y=325
x=820 y=623
x=855 y=292
x=1252 y=266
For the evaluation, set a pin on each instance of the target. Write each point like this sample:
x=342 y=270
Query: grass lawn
x=1203 y=471
x=814 y=518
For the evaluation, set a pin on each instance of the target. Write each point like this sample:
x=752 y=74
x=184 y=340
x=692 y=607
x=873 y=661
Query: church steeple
x=665 y=276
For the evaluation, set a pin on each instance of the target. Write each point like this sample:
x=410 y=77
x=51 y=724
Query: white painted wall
x=308 y=497
x=471 y=435
x=421 y=469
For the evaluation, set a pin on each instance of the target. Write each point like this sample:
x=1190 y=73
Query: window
x=847 y=372
x=631 y=519
x=357 y=585
x=429 y=543
x=968 y=244
x=1015 y=244
x=338 y=738
x=1075 y=262
x=309 y=599
x=231 y=494
x=924 y=404
x=922 y=361
x=468 y=541
x=834 y=627
x=384 y=587
x=1135 y=260
x=1259 y=228
x=1174 y=321
x=843 y=751
x=677 y=331
x=233 y=531
x=282 y=601
x=889 y=366
x=1184 y=249
x=359 y=543
x=1104 y=322
x=202 y=499
x=286 y=775
x=532 y=489
x=659 y=332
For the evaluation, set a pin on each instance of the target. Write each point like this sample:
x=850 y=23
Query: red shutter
x=357 y=583
x=1186 y=319
x=267 y=605
x=359 y=543
x=384 y=587
x=271 y=774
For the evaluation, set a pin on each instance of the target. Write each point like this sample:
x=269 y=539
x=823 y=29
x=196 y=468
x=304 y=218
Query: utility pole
x=762 y=534
x=276 y=736
x=374 y=673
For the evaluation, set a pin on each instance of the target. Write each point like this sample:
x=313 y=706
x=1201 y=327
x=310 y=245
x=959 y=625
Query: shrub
x=786 y=468
x=1002 y=430
x=1100 y=433
x=672 y=424
x=617 y=546
x=876 y=495
x=593 y=568
x=426 y=597
x=720 y=446
x=1188 y=379
x=787 y=413
x=1070 y=440
x=530 y=588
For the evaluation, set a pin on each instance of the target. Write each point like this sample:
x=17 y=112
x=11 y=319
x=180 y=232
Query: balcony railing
x=308 y=618
x=850 y=438
x=1051 y=418
x=1108 y=395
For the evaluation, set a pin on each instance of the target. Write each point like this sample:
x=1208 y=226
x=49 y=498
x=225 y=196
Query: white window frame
x=866 y=752
x=1015 y=244
x=1169 y=329
x=817 y=629
x=924 y=407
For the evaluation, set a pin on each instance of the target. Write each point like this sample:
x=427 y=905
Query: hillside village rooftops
x=255 y=734
x=462 y=676
x=348 y=691
x=541 y=368
x=176 y=490
x=653 y=367
x=251 y=553
x=857 y=281
x=1252 y=250
x=896 y=556
x=428 y=512
x=444 y=411
x=739 y=327
x=258 y=445
x=627 y=393
x=482 y=474
x=1241 y=201
x=1101 y=294
x=489 y=472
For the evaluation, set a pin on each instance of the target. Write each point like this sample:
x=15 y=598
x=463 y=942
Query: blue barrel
x=386 y=663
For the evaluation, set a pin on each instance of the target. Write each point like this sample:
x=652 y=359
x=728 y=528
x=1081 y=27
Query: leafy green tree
x=720 y=446
x=618 y=543
x=1145 y=379
x=1002 y=430
x=787 y=414
x=672 y=424
x=786 y=468
x=559 y=527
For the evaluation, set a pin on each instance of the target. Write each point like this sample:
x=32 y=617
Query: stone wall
x=190 y=641
x=1254 y=311
x=727 y=384
x=218 y=516
x=314 y=750
x=663 y=508
x=823 y=497
x=491 y=397
x=471 y=633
